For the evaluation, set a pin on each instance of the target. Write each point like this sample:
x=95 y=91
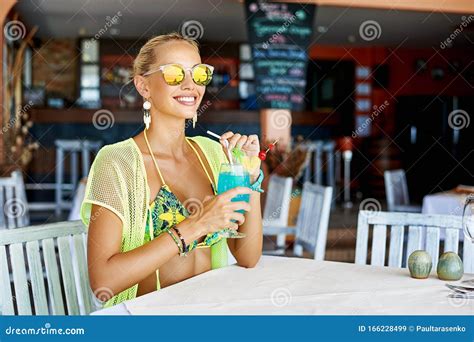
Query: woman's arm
x=247 y=251
x=116 y=271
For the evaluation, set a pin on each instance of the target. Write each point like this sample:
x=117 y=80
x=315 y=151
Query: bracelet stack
x=182 y=247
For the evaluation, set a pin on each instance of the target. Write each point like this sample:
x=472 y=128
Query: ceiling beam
x=444 y=6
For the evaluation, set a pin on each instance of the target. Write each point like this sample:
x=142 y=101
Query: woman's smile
x=186 y=100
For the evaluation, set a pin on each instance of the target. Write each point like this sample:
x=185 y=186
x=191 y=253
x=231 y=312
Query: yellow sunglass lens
x=202 y=75
x=173 y=74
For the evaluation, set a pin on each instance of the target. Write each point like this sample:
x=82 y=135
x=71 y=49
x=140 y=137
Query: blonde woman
x=151 y=199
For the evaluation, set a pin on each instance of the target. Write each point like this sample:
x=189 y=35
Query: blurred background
x=386 y=86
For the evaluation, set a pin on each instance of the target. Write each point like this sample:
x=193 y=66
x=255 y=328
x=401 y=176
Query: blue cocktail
x=232 y=176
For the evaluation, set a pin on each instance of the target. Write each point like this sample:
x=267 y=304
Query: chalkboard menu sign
x=279 y=34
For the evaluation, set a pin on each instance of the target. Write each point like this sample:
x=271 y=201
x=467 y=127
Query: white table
x=289 y=286
x=444 y=203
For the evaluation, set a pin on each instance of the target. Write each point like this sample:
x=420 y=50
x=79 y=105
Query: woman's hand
x=218 y=212
x=250 y=145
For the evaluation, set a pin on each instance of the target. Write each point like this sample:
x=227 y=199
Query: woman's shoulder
x=124 y=151
x=205 y=142
x=212 y=149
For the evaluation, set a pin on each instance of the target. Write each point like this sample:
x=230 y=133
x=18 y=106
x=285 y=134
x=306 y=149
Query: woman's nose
x=188 y=81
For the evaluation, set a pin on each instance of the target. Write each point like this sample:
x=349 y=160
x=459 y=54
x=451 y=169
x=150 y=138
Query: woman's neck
x=166 y=135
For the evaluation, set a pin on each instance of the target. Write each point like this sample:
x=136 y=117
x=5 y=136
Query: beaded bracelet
x=180 y=248
x=184 y=247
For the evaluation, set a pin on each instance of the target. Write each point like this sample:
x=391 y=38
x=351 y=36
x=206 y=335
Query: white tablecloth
x=444 y=203
x=288 y=286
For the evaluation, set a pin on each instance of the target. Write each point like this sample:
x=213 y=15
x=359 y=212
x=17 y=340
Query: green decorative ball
x=420 y=264
x=450 y=266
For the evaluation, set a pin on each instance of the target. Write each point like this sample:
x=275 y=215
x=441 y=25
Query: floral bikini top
x=166 y=210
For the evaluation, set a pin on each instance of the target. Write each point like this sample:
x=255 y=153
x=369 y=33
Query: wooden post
x=4 y=10
x=276 y=124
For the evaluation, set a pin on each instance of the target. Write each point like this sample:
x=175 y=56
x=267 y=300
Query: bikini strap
x=158 y=169
x=200 y=160
x=153 y=157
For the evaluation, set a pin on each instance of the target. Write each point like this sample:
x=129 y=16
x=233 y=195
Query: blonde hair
x=147 y=56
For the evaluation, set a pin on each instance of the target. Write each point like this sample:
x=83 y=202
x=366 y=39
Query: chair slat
x=9 y=207
x=52 y=275
x=396 y=246
x=362 y=241
x=3 y=224
x=451 y=241
x=379 y=239
x=20 y=282
x=41 y=232
x=432 y=243
x=83 y=273
x=37 y=278
x=20 y=195
x=6 y=300
x=67 y=271
x=313 y=220
x=414 y=240
x=468 y=256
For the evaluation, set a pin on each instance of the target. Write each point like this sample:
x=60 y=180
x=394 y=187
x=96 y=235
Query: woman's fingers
x=252 y=142
x=241 y=142
x=239 y=205
x=240 y=190
x=237 y=218
x=233 y=140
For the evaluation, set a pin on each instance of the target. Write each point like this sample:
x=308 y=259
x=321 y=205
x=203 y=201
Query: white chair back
x=277 y=208
x=64 y=242
x=277 y=203
x=396 y=189
x=13 y=201
x=313 y=220
x=423 y=233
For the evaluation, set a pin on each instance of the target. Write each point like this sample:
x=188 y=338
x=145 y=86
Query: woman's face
x=181 y=100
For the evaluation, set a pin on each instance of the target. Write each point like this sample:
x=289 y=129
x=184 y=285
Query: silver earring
x=146 y=113
x=195 y=119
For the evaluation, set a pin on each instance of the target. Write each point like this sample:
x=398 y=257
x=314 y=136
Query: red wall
x=403 y=80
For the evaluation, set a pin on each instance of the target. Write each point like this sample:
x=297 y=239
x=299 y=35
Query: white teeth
x=185 y=98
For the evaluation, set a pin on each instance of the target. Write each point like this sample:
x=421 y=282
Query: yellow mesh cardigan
x=117 y=181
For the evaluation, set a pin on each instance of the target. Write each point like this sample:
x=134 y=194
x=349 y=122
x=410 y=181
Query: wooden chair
x=312 y=222
x=13 y=201
x=396 y=191
x=423 y=233
x=66 y=149
x=55 y=289
x=277 y=208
